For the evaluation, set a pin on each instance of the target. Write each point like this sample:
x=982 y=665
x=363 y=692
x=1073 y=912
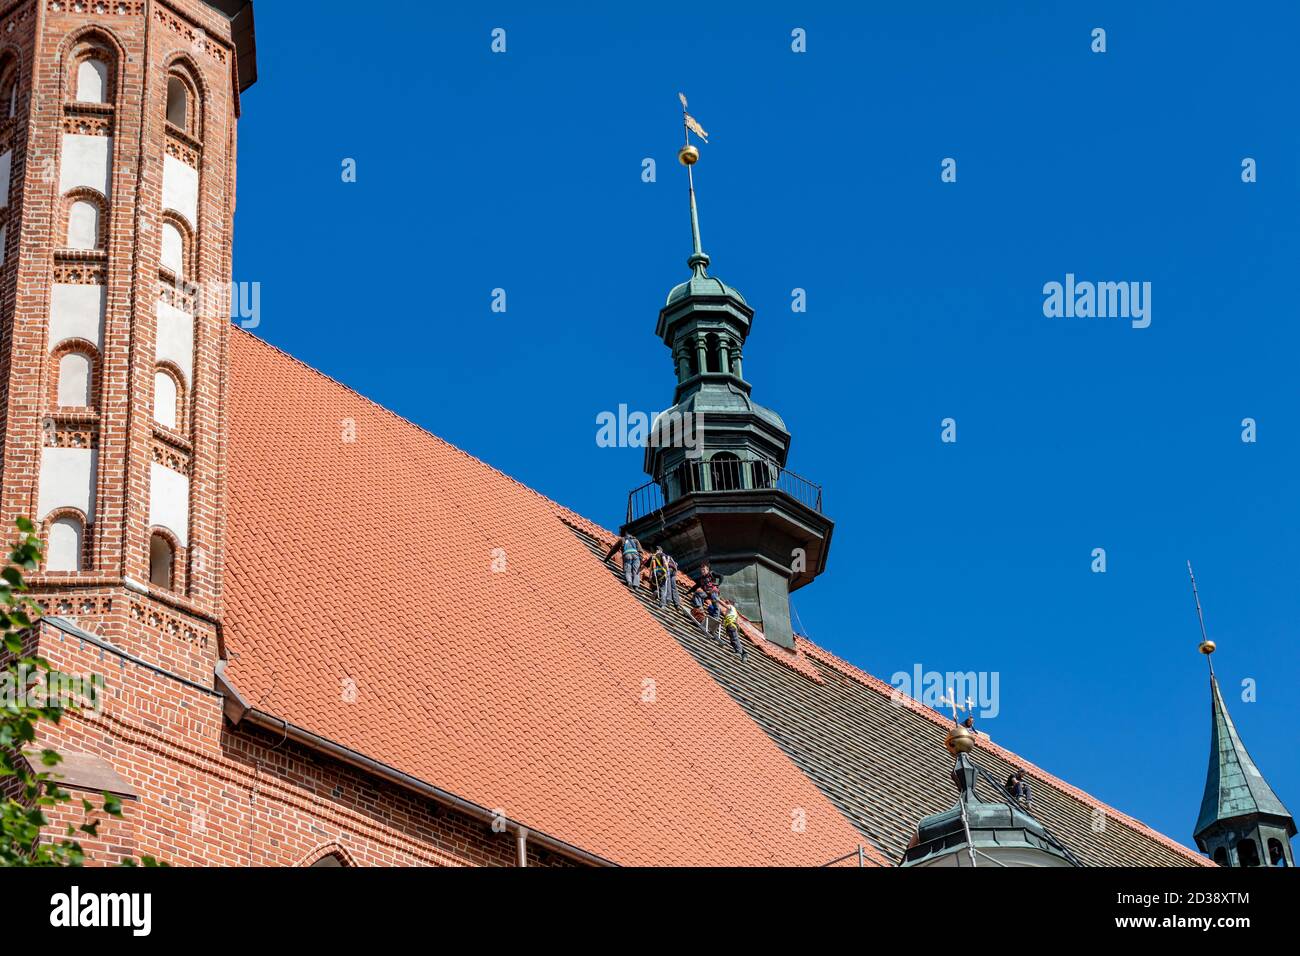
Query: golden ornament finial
x=959 y=741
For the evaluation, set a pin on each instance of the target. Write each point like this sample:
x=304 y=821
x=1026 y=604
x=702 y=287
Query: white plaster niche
x=86 y=162
x=77 y=312
x=175 y=339
x=67 y=481
x=92 y=81
x=83 y=225
x=173 y=249
x=63 y=551
x=164 y=399
x=169 y=501
x=181 y=189
x=74 y=380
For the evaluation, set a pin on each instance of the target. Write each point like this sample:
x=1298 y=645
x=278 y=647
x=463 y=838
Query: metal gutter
x=362 y=762
x=237 y=709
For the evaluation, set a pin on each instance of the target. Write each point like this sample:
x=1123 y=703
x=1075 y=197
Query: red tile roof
x=368 y=564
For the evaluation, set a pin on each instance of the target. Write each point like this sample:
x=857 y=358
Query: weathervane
x=1207 y=645
x=688 y=156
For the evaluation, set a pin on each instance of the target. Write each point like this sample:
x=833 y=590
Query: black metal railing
x=722 y=473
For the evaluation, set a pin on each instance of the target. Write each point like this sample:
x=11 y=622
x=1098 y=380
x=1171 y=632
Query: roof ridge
x=893 y=693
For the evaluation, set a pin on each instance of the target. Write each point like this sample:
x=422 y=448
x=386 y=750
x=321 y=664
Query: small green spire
x=1234 y=787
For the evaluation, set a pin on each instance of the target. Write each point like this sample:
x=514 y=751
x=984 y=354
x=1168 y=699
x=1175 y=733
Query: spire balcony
x=721 y=477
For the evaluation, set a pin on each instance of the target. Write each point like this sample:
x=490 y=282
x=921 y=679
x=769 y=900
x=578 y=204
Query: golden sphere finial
x=959 y=741
x=1207 y=647
x=688 y=155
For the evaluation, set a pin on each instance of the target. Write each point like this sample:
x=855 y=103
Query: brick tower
x=117 y=186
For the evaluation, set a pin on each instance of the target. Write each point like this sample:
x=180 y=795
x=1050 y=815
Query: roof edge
x=360 y=761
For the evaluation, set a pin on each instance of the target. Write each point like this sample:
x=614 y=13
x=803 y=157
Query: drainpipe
x=521 y=841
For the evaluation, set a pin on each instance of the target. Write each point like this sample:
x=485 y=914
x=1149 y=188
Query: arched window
x=92 y=80
x=8 y=88
x=65 y=544
x=329 y=861
x=725 y=471
x=1247 y=854
x=166 y=399
x=178 y=102
x=162 y=560
x=711 y=353
x=76 y=378
x=83 y=225
x=1276 y=855
x=1221 y=856
x=184 y=105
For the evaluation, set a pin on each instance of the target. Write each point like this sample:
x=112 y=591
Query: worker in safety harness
x=670 y=583
x=657 y=573
x=664 y=570
x=731 y=623
x=631 y=559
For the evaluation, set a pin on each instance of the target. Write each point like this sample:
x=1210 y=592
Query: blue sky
x=522 y=171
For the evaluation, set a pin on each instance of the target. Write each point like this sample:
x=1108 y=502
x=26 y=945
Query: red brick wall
x=209 y=793
x=213 y=794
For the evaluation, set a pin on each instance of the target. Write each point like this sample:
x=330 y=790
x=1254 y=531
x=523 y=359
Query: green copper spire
x=721 y=494
x=699 y=260
x=688 y=156
x=1234 y=787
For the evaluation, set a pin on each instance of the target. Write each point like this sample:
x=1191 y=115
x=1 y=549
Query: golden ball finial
x=688 y=155
x=1208 y=646
x=959 y=741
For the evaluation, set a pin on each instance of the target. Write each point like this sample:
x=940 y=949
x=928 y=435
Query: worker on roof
x=1018 y=787
x=731 y=623
x=657 y=573
x=631 y=559
x=707 y=580
x=700 y=603
x=711 y=613
x=668 y=587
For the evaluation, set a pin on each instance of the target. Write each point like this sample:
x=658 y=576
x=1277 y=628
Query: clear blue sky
x=523 y=171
